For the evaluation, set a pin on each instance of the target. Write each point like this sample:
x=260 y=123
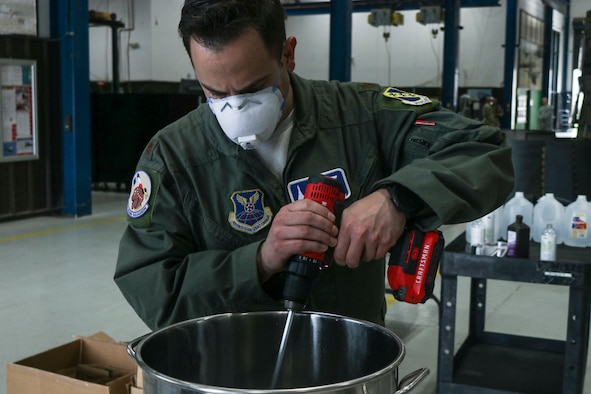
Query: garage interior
x=97 y=103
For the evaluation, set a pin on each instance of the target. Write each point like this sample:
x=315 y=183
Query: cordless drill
x=413 y=264
x=303 y=269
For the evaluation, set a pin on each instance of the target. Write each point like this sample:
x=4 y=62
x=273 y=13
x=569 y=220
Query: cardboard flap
x=96 y=365
x=101 y=336
x=107 y=353
x=55 y=359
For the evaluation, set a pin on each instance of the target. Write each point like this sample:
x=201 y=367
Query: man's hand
x=300 y=227
x=369 y=228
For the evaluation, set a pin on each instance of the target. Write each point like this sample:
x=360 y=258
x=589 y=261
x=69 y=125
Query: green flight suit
x=201 y=205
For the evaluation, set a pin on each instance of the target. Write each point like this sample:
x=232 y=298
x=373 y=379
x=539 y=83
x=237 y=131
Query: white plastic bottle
x=548 y=210
x=488 y=222
x=518 y=205
x=468 y=231
x=548 y=244
x=576 y=224
x=477 y=235
x=499 y=231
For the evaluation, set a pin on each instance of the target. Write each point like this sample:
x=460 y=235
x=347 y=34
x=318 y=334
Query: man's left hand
x=369 y=228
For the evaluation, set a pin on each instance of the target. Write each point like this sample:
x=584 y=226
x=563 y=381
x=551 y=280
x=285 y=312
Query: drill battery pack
x=413 y=265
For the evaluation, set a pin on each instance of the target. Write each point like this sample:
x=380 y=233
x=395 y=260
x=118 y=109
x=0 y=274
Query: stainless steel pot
x=237 y=353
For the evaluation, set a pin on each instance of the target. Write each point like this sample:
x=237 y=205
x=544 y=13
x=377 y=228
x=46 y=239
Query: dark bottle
x=518 y=239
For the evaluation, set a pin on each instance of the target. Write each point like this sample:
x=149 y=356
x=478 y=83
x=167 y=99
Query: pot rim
x=231 y=390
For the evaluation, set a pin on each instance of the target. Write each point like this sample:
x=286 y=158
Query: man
x=545 y=115
x=492 y=112
x=218 y=214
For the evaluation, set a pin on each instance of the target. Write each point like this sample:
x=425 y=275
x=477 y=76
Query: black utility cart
x=489 y=362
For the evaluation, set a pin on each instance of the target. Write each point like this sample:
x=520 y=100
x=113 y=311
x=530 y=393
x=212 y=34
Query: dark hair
x=215 y=23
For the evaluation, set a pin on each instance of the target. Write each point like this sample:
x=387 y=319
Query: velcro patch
x=250 y=214
x=406 y=97
x=297 y=188
x=142 y=197
x=421 y=122
x=141 y=189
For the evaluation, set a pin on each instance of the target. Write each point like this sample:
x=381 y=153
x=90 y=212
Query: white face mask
x=246 y=118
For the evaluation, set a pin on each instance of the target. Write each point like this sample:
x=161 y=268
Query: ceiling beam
x=323 y=7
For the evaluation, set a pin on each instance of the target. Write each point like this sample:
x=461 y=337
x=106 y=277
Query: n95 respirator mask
x=249 y=117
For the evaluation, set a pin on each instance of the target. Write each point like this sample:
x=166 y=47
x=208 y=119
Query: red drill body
x=303 y=269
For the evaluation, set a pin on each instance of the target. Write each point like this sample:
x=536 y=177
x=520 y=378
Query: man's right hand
x=299 y=227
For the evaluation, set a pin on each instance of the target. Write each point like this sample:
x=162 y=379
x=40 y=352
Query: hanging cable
x=434 y=31
x=386 y=35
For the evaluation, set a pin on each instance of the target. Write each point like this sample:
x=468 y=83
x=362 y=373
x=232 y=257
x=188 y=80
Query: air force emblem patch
x=406 y=97
x=250 y=213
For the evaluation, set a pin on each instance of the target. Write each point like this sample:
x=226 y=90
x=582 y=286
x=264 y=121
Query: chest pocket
x=230 y=221
x=351 y=162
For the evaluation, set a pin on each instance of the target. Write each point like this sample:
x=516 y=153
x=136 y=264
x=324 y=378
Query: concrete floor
x=56 y=283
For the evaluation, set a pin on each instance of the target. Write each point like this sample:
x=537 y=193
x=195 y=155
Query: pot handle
x=133 y=344
x=409 y=382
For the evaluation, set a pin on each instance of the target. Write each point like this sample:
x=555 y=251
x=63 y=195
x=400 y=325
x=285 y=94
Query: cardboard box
x=138 y=387
x=87 y=365
x=139 y=378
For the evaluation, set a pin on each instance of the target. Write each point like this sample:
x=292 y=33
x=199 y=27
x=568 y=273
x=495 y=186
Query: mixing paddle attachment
x=282 y=347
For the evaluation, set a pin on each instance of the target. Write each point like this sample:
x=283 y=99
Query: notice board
x=18 y=113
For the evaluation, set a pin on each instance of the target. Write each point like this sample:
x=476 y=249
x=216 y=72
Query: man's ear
x=289 y=53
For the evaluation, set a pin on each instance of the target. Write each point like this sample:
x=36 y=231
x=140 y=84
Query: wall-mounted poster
x=18 y=115
x=18 y=17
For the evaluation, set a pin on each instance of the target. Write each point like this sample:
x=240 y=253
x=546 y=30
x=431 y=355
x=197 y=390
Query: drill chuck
x=301 y=273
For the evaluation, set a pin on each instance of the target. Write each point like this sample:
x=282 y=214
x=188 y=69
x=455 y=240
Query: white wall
x=137 y=31
x=169 y=58
x=412 y=55
x=579 y=8
x=160 y=55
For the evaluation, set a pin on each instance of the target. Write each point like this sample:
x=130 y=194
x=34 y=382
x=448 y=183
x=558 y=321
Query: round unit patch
x=141 y=188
